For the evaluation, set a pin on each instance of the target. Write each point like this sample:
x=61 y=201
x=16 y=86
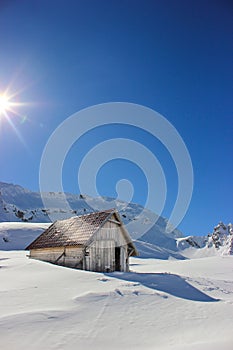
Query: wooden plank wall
x=101 y=252
x=102 y=256
x=46 y=254
x=73 y=255
x=111 y=231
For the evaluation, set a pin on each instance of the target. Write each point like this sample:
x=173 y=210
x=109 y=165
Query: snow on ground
x=161 y=304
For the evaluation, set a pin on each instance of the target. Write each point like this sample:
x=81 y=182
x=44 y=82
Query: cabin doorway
x=117 y=258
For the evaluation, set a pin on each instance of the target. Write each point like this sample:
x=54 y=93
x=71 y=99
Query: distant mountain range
x=145 y=227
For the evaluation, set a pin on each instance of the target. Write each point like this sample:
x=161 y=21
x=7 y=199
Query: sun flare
x=9 y=114
x=5 y=104
x=9 y=105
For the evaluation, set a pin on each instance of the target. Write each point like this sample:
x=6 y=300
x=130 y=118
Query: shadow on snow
x=165 y=282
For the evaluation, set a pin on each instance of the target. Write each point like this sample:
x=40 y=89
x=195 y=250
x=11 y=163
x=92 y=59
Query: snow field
x=161 y=304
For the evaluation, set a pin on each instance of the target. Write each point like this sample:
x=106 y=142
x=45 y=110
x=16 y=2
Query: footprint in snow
x=119 y=292
x=103 y=279
x=136 y=292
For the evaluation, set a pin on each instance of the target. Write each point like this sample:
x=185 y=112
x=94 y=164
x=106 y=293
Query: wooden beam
x=114 y=221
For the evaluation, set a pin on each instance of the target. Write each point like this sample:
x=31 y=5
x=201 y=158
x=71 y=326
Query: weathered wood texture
x=69 y=256
x=106 y=249
x=102 y=254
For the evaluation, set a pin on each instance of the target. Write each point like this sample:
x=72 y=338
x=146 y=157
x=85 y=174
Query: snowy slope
x=175 y=305
x=16 y=235
x=20 y=205
x=145 y=227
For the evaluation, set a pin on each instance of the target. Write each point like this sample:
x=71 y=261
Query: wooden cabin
x=95 y=242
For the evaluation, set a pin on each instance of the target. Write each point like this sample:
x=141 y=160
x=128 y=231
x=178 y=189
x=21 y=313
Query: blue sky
x=172 y=56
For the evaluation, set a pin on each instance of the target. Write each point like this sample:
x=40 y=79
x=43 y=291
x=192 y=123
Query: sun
x=9 y=105
x=9 y=111
x=5 y=104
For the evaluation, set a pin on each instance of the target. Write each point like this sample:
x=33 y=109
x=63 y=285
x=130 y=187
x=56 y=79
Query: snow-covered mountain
x=22 y=207
x=220 y=241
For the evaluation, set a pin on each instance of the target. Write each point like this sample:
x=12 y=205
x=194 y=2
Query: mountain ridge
x=145 y=227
